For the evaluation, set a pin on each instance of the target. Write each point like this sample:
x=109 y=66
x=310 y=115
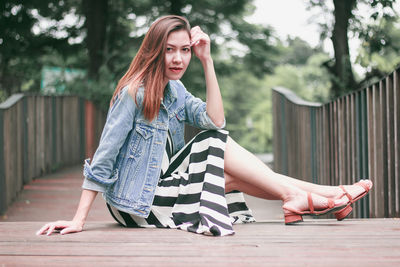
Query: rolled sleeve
x=101 y=169
x=91 y=185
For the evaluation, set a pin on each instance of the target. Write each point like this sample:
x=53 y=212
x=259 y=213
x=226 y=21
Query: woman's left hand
x=200 y=43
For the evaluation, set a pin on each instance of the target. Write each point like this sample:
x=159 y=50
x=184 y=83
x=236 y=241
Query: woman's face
x=177 y=54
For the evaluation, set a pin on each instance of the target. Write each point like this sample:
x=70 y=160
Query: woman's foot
x=303 y=203
x=352 y=193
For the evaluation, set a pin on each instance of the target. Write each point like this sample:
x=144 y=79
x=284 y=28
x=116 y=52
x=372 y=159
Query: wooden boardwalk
x=373 y=242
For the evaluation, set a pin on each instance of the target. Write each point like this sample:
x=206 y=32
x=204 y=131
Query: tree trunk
x=96 y=20
x=343 y=80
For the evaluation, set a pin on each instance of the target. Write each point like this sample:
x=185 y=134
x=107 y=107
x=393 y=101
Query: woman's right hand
x=76 y=225
x=66 y=227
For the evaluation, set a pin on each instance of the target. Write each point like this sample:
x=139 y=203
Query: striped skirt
x=191 y=191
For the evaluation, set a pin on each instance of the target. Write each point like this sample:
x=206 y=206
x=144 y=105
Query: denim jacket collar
x=170 y=96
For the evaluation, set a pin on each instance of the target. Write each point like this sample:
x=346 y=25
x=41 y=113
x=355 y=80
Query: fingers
x=43 y=229
x=68 y=230
x=198 y=36
x=71 y=229
x=49 y=228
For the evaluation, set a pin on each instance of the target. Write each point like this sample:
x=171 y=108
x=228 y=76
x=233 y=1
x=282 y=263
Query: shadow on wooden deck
x=103 y=243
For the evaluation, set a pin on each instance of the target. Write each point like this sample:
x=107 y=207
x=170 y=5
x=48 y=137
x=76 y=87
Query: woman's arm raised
x=76 y=225
x=201 y=47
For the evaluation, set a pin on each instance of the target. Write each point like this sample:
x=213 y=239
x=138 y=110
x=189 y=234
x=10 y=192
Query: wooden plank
x=36 y=135
x=77 y=133
x=59 y=131
x=352 y=151
x=25 y=157
x=382 y=150
x=341 y=142
x=364 y=148
x=286 y=135
x=391 y=187
x=100 y=119
x=8 y=157
x=301 y=150
x=3 y=196
x=64 y=119
x=396 y=140
x=333 y=146
x=88 y=127
x=335 y=156
x=371 y=146
x=377 y=149
x=359 y=144
x=326 y=143
x=352 y=139
x=103 y=242
x=253 y=244
x=289 y=132
x=17 y=136
x=42 y=135
x=30 y=136
x=48 y=142
x=320 y=157
x=347 y=135
x=277 y=134
x=82 y=143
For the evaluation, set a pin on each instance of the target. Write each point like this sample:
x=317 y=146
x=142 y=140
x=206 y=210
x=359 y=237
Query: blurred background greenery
x=84 y=46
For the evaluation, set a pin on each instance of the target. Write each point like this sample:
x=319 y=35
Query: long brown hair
x=148 y=66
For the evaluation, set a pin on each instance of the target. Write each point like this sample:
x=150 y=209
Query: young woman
x=150 y=178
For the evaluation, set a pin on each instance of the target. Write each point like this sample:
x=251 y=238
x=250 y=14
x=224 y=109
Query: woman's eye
x=186 y=49
x=169 y=49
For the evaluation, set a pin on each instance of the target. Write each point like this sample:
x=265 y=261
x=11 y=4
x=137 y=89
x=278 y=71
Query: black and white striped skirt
x=191 y=191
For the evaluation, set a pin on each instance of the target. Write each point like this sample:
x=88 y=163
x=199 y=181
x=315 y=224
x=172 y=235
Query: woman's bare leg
x=232 y=183
x=247 y=173
x=322 y=190
x=250 y=160
x=327 y=190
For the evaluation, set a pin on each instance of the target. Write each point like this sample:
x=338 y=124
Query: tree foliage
x=101 y=37
x=347 y=20
x=22 y=41
x=109 y=33
x=378 y=53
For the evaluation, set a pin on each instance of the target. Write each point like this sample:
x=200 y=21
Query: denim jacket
x=127 y=163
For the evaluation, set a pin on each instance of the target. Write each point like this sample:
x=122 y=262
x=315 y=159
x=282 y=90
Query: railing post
x=25 y=176
x=284 y=148
x=3 y=189
x=314 y=170
x=89 y=129
x=82 y=130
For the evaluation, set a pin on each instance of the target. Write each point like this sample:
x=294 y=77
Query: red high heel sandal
x=343 y=213
x=293 y=216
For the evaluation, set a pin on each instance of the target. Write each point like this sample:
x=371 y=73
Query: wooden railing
x=353 y=137
x=40 y=134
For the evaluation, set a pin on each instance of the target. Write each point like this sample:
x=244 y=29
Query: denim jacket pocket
x=142 y=134
x=180 y=115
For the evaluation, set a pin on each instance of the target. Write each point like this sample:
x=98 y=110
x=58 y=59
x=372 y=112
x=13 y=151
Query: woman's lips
x=176 y=69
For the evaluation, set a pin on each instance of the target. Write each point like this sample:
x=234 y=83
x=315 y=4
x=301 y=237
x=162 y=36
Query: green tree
x=296 y=51
x=378 y=52
x=346 y=20
x=127 y=21
x=22 y=41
